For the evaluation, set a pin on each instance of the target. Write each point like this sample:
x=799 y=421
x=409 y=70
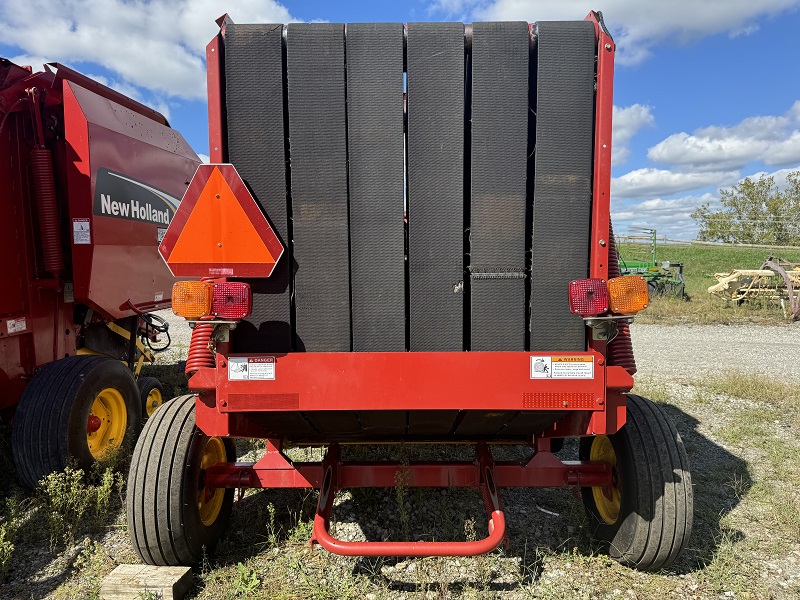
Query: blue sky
x=706 y=93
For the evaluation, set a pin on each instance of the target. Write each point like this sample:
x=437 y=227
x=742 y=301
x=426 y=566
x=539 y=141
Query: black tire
x=50 y=424
x=655 y=490
x=148 y=386
x=164 y=519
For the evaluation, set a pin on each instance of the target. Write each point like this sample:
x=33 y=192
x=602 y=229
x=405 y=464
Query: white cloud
x=26 y=60
x=780 y=176
x=204 y=158
x=652 y=183
x=671 y=218
x=627 y=121
x=158 y=45
x=637 y=26
x=773 y=140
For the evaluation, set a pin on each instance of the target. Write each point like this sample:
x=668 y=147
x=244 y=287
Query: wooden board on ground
x=144 y=581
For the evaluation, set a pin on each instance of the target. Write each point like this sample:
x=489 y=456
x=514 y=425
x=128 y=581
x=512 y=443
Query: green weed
x=8 y=534
x=67 y=497
x=6 y=549
x=246 y=582
x=92 y=565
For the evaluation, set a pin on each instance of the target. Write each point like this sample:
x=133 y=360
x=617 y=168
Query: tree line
x=754 y=211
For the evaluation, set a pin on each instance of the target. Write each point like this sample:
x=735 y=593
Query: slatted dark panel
x=256 y=146
x=563 y=180
x=435 y=62
x=376 y=157
x=499 y=117
x=498 y=311
x=318 y=148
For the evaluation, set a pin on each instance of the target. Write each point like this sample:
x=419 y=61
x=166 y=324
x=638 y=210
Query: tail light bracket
x=605 y=328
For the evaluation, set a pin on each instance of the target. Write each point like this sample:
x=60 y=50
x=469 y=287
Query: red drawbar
x=275 y=470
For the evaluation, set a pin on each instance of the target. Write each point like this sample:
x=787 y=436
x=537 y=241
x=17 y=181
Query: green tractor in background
x=664 y=278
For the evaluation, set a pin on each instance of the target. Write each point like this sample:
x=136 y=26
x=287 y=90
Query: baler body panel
x=123 y=193
x=93 y=136
x=504 y=204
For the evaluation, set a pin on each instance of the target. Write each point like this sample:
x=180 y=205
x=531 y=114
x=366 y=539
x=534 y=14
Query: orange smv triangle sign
x=219 y=230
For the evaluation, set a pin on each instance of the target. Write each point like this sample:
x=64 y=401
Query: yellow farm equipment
x=776 y=280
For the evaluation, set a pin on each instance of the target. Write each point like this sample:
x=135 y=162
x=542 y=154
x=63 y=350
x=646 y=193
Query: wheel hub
x=93 y=424
x=209 y=500
x=607 y=499
x=154 y=400
x=108 y=419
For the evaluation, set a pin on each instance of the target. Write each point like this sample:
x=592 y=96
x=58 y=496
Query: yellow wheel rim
x=154 y=400
x=108 y=419
x=209 y=501
x=608 y=508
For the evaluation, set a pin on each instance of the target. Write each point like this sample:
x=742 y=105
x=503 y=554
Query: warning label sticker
x=81 y=231
x=242 y=368
x=562 y=367
x=16 y=325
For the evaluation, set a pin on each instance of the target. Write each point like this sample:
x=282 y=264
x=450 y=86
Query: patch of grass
x=770 y=390
x=68 y=497
x=728 y=571
x=652 y=390
x=90 y=568
x=171 y=376
x=9 y=526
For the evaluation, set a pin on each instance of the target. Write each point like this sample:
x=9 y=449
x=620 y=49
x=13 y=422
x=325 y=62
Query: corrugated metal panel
x=435 y=57
x=376 y=161
x=318 y=149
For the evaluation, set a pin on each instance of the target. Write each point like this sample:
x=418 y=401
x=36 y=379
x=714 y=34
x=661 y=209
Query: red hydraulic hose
x=44 y=187
x=620 y=349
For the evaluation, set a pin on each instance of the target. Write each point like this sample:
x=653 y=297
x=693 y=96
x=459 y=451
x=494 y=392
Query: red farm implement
x=405 y=238
x=91 y=180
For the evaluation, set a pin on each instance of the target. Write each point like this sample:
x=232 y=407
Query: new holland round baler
x=405 y=238
x=91 y=180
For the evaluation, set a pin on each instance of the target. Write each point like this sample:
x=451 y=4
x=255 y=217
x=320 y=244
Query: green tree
x=754 y=212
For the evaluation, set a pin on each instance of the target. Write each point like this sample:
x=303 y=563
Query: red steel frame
x=419 y=381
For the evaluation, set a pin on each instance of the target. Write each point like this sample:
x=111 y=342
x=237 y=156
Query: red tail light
x=588 y=297
x=231 y=300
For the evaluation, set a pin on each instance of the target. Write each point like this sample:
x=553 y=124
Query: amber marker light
x=627 y=295
x=192 y=299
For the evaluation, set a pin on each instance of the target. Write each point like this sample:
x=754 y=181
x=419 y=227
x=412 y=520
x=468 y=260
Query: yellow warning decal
x=562 y=367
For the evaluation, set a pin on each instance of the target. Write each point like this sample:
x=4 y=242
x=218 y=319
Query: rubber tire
x=163 y=518
x=50 y=422
x=146 y=385
x=657 y=499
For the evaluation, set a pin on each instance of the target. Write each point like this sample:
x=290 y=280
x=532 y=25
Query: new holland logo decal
x=122 y=197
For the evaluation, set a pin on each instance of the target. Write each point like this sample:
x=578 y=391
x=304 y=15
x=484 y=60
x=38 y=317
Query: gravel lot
x=679 y=352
